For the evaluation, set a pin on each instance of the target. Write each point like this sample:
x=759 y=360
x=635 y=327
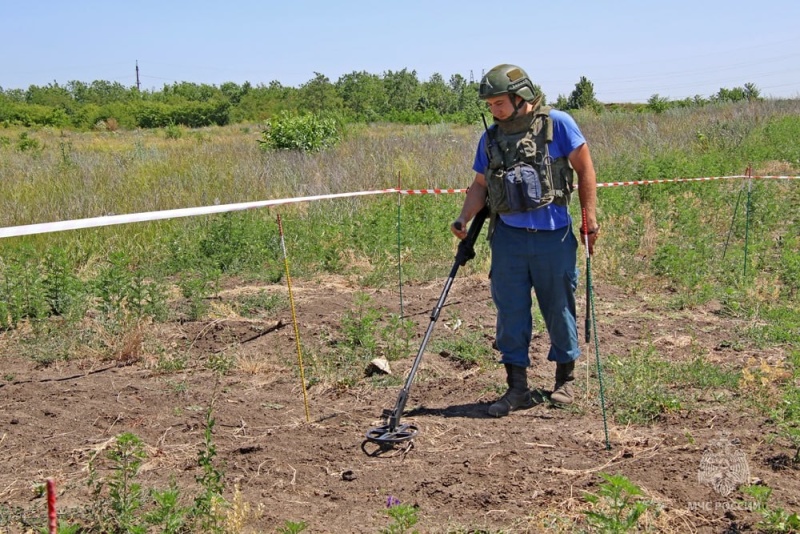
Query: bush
x=307 y=133
x=200 y=114
x=153 y=115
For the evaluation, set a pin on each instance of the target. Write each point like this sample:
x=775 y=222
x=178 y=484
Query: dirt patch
x=464 y=471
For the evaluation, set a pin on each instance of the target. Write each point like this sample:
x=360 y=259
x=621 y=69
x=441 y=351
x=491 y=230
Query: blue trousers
x=544 y=261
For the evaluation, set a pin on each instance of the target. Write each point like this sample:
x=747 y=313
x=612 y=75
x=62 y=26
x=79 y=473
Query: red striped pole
x=51 y=506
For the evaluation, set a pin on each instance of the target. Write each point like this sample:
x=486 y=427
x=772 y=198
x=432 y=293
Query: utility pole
x=138 y=87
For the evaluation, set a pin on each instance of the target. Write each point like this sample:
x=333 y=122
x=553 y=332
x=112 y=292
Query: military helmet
x=504 y=79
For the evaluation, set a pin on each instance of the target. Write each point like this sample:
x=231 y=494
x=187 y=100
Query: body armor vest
x=521 y=175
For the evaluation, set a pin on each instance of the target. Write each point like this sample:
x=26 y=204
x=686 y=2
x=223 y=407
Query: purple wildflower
x=392 y=501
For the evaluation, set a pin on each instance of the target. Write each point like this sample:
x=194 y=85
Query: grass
x=644 y=387
x=693 y=240
x=673 y=233
x=86 y=293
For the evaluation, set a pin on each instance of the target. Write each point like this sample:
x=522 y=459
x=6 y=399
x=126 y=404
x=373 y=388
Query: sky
x=629 y=49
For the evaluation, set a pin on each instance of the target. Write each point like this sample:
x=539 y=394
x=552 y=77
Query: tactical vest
x=521 y=175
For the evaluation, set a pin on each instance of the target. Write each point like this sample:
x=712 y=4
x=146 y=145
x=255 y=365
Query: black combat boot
x=563 y=390
x=517 y=395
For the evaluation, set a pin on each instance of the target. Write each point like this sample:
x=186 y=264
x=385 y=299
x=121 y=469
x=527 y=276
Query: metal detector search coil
x=384 y=435
x=393 y=433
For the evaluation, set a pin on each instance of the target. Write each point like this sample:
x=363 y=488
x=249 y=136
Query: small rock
x=378 y=366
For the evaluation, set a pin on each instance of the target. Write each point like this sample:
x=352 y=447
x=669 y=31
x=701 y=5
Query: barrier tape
x=705 y=179
x=429 y=191
x=110 y=220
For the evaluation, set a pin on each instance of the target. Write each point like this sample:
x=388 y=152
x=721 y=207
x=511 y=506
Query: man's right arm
x=473 y=203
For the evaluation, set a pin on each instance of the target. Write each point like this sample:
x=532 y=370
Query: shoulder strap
x=544 y=112
x=493 y=154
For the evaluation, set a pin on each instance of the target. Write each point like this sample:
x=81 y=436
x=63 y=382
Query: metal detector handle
x=466 y=248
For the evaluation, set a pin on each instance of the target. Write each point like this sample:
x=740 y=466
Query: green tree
x=468 y=104
x=402 y=90
x=751 y=92
x=180 y=92
x=363 y=94
x=319 y=94
x=537 y=90
x=582 y=97
x=52 y=95
x=234 y=92
x=13 y=95
x=437 y=96
x=657 y=103
x=264 y=101
x=737 y=94
x=99 y=92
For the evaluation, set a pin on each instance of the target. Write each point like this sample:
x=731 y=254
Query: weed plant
x=292 y=527
x=120 y=503
x=117 y=510
x=404 y=517
x=208 y=502
x=618 y=505
x=773 y=519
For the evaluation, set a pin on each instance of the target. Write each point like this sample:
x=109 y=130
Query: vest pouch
x=523 y=188
x=563 y=180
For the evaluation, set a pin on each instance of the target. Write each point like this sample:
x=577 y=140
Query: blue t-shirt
x=566 y=138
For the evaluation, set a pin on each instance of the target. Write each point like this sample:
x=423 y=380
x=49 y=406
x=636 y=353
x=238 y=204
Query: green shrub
x=173 y=131
x=28 y=143
x=307 y=133
x=152 y=115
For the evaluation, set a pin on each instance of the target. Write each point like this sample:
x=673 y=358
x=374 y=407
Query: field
x=167 y=379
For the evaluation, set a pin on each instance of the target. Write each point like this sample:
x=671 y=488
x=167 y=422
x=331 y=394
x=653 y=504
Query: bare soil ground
x=464 y=471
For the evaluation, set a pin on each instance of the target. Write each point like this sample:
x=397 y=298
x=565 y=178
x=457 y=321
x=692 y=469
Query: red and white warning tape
x=110 y=220
x=429 y=191
x=705 y=179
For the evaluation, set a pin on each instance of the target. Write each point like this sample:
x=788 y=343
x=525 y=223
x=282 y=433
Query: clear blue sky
x=629 y=49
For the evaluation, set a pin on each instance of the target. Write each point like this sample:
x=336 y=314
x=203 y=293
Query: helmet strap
x=516 y=105
x=518 y=123
x=515 y=124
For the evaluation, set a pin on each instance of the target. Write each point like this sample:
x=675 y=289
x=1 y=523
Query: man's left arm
x=581 y=161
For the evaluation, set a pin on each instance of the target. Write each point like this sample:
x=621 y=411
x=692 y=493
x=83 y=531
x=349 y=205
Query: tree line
x=393 y=96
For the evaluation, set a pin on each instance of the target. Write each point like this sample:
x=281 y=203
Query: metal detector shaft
x=466 y=251
x=587 y=323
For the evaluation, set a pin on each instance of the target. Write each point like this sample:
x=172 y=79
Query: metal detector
x=393 y=433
